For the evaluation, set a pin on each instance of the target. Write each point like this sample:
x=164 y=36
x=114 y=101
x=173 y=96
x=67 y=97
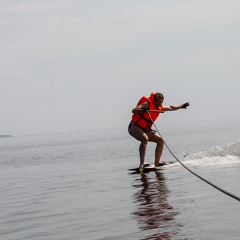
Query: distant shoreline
x=5 y=136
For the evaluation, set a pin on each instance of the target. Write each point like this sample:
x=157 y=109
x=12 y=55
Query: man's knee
x=160 y=142
x=144 y=138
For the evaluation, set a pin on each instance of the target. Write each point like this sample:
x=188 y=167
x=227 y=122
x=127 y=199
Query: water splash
x=220 y=155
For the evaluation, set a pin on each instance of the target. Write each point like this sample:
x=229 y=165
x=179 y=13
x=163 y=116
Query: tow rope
x=203 y=179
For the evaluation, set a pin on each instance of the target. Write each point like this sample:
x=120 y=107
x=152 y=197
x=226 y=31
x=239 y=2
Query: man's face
x=158 y=100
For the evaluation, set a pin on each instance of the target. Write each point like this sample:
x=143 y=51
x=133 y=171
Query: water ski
x=145 y=170
x=151 y=169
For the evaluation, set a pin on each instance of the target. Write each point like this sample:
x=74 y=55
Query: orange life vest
x=142 y=119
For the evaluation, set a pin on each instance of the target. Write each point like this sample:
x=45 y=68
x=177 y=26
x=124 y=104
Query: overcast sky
x=70 y=65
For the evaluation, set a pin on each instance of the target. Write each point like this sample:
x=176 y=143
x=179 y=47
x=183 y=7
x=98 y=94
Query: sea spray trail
x=220 y=155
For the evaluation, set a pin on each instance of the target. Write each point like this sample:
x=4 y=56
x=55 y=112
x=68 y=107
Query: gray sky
x=69 y=65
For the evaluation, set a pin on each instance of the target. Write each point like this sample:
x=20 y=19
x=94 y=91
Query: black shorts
x=131 y=124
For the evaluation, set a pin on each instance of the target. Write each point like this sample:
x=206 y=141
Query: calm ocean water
x=76 y=185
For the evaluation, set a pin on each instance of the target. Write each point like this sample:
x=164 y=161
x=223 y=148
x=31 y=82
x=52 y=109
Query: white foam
x=214 y=156
x=212 y=161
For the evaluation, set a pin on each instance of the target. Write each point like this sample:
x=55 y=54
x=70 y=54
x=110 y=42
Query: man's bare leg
x=154 y=137
x=138 y=134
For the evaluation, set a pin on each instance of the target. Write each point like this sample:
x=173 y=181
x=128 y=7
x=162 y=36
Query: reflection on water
x=154 y=214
